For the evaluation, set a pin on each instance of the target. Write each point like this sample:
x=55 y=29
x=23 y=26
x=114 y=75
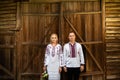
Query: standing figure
x=53 y=58
x=73 y=58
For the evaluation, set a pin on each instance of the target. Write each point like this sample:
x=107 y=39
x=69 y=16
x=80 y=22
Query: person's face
x=54 y=38
x=71 y=37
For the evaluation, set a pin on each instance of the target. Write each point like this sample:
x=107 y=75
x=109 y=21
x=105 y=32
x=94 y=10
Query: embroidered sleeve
x=64 y=55
x=81 y=55
x=47 y=53
x=61 y=56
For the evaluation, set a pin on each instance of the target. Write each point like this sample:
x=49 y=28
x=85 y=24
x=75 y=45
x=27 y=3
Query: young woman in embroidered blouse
x=53 y=58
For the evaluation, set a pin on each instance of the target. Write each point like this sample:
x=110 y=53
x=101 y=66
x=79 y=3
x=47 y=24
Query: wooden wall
x=7 y=40
x=112 y=18
x=25 y=28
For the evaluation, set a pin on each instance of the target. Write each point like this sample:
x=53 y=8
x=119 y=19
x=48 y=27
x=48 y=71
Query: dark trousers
x=73 y=73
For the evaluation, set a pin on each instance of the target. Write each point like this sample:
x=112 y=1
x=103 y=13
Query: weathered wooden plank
x=113 y=53
x=3 y=5
x=112 y=45
x=114 y=50
x=113 y=24
x=8 y=8
x=7 y=22
x=7 y=15
x=7 y=46
x=114 y=60
x=113 y=12
x=88 y=12
x=113 y=77
x=7 y=18
x=113 y=9
x=112 y=40
x=7 y=27
x=113 y=28
x=112 y=15
x=117 y=58
x=113 y=36
x=113 y=32
x=112 y=0
x=117 y=19
x=3 y=32
x=8 y=12
x=113 y=64
x=113 y=68
x=112 y=4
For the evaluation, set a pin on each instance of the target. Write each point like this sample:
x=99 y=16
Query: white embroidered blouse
x=53 y=54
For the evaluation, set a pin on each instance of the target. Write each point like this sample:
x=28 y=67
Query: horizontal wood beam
x=82 y=74
x=54 y=1
x=40 y=14
x=92 y=42
x=7 y=46
x=91 y=73
x=94 y=12
x=39 y=44
x=6 y=77
x=57 y=14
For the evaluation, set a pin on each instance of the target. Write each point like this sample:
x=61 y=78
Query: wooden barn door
x=37 y=25
x=40 y=19
x=85 y=19
x=7 y=40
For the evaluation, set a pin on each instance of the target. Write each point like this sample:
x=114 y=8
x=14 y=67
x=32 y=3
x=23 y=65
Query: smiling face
x=54 y=38
x=72 y=37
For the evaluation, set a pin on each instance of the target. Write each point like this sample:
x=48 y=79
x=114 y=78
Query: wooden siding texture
x=7 y=40
x=112 y=18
